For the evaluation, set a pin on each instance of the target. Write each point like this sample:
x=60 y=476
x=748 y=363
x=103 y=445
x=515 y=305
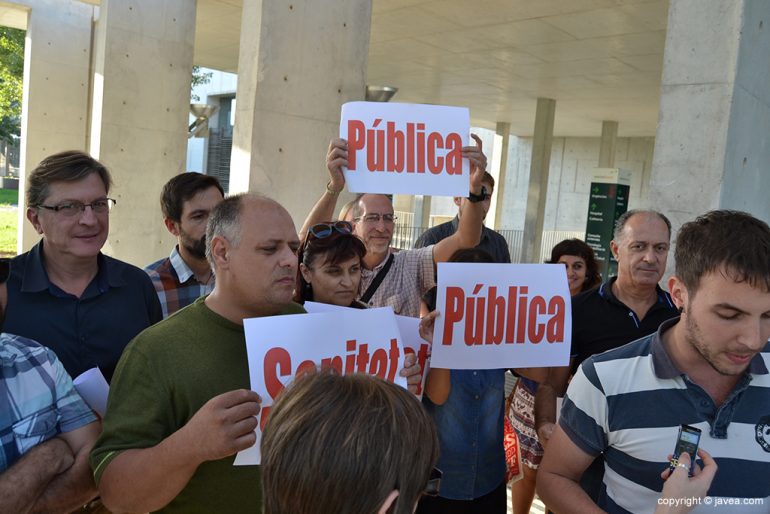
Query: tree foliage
x=198 y=79
x=11 y=76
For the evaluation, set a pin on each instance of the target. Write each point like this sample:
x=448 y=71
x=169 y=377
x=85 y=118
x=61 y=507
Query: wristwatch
x=478 y=198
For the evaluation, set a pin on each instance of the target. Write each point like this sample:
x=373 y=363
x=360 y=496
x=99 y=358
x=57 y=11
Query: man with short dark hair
x=46 y=429
x=707 y=369
x=186 y=201
x=491 y=242
x=64 y=292
x=397 y=279
x=180 y=406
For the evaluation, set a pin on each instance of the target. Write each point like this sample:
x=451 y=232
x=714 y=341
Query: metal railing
x=404 y=237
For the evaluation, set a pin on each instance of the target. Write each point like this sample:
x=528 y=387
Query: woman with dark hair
x=330 y=260
x=582 y=268
x=582 y=275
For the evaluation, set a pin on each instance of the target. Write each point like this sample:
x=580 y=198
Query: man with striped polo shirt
x=708 y=369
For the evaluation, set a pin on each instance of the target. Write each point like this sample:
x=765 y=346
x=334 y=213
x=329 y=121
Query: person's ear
x=305 y=272
x=172 y=226
x=388 y=502
x=678 y=292
x=458 y=200
x=614 y=249
x=220 y=252
x=34 y=217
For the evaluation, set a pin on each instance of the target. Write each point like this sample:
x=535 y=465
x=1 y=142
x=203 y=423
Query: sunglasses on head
x=322 y=230
x=5 y=269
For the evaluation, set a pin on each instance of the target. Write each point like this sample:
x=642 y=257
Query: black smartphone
x=687 y=441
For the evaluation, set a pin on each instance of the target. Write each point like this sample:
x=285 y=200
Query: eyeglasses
x=5 y=269
x=375 y=218
x=323 y=230
x=74 y=208
x=434 y=483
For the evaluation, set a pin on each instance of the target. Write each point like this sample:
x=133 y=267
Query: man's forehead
x=90 y=184
x=646 y=227
x=376 y=203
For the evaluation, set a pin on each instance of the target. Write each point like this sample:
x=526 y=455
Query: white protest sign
x=406 y=148
x=280 y=347
x=408 y=327
x=502 y=316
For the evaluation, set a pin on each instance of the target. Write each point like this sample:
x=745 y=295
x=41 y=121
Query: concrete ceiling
x=600 y=59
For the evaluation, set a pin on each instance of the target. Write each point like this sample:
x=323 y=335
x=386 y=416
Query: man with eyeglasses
x=398 y=279
x=64 y=292
x=46 y=429
x=184 y=276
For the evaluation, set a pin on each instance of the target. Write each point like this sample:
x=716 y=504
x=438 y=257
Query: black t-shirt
x=601 y=322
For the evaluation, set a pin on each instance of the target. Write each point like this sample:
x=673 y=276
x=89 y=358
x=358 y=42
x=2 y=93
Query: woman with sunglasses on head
x=330 y=260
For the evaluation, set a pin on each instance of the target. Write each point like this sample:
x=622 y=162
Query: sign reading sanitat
x=406 y=148
x=607 y=202
x=279 y=348
x=502 y=316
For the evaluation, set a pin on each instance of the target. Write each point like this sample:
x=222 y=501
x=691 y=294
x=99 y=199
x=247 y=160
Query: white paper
x=406 y=148
x=408 y=327
x=502 y=316
x=92 y=386
x=355 y=340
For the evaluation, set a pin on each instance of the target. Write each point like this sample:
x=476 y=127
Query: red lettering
x=453 y=311
x=511 y=316
x=375 y=148
x=394 y=359
x=350 y=360
x=421 y=148
x=395 y=148
x=410 y=167
x=363 y=358
x=495 y=317
x=521 y=322
x=379 y=364
x=332 y=362
x=356 y=141
x=454 y=156
x=536 y=330
x=435 y=164
x=555 y=326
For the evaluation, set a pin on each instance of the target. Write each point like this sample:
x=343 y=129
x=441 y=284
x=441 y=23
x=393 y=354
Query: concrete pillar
x=538 y=180
x=422 y=204
x=607 y=144
x=499 y=172
x=141 y=95
x=711 y=147
x=298 y=63
x=57 y=57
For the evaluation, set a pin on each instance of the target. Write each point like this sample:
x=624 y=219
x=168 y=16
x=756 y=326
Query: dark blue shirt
x=84 y=332
x=470 y=432
x=491 y=242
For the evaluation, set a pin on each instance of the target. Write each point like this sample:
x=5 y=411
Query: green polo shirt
x=166 y=374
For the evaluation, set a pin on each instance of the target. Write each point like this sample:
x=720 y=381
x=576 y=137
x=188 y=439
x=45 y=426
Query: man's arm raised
x=468 y=232
x=323 y=210
x=147 y=479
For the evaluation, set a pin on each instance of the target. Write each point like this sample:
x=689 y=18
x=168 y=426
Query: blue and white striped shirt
x=629 y=403
x=37 y=398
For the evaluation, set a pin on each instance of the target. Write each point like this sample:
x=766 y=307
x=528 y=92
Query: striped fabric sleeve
x=73 y=411
x=584 y=411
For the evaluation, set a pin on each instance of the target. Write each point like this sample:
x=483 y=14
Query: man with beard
x=707 y=368
x=185 y=275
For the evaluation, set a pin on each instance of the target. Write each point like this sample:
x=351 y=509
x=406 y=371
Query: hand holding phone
x=686 y=442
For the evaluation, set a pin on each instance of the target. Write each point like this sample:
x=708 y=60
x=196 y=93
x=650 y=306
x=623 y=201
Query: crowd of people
x=170 y=341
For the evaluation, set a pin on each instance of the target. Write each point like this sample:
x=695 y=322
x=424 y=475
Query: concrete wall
x=747 y=156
